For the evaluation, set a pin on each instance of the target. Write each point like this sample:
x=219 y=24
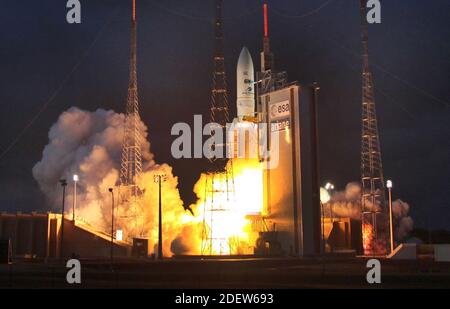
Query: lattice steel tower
x=216 y=195
x=219 y=92
x=131 y=165
x=373 y=190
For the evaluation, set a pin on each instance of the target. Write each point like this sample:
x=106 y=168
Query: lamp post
x=159 y=179
x=329 y=187
x=63 y=183
x=324 y=198
x=391 y=225
x=75 y=180
x=112 y=222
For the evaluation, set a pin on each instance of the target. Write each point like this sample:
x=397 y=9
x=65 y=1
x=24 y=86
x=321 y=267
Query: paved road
x=227 y=273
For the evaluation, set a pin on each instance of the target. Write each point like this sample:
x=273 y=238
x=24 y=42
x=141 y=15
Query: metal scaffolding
x=217 y=197
x=373 y=191
x=131 y=161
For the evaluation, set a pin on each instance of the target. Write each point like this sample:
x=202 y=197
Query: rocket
x=245 y=85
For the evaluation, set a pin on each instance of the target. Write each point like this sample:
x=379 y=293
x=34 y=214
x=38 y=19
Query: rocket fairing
x=245 y=85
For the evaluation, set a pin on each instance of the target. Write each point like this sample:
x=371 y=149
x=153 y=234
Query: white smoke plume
x=89 y=144
x=347 y=203
x=405 y=223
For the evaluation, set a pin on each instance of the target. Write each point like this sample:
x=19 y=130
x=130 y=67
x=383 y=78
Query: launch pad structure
x=373 y=200
x=217 y=197
x=129 y=193
x=288 y=222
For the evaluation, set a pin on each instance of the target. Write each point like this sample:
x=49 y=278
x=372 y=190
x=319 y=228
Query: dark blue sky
x=42 y=57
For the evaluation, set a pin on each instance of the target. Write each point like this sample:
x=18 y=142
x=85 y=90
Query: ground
x=227 y=273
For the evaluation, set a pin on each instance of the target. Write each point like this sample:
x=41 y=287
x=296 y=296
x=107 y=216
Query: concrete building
x=291 y=187
x=39 y=236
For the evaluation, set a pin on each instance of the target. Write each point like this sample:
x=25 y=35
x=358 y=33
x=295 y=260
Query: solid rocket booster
x=245 y=86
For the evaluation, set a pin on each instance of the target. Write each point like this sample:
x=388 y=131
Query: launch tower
x=219 y=182
x=131 y=161
x=373 y=192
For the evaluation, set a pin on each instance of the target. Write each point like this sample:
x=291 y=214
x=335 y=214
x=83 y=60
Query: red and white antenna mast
x=266 y=26
x=266 y=54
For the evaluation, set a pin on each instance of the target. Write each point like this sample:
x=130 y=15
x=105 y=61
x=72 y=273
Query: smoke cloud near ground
x=404 y=222
x=89 y=144
x=347 y=203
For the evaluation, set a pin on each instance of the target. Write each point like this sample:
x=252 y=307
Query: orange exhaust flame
x=224 y=206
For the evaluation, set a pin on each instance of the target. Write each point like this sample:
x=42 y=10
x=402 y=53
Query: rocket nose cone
x=244 y=57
